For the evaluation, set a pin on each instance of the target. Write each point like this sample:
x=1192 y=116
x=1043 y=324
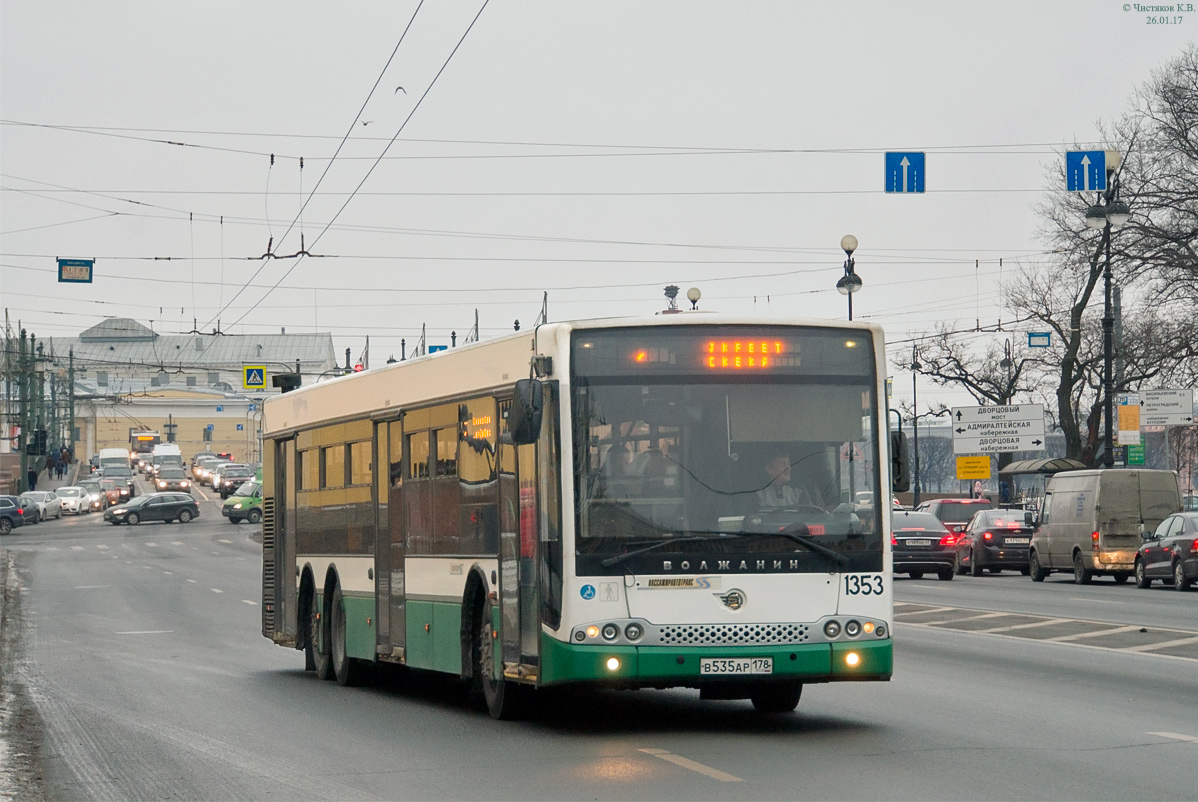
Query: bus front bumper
x=667 y=666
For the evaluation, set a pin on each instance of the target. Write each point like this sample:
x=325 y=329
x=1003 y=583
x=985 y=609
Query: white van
x=113 y=456
x=1091 y=521
x=164 y=454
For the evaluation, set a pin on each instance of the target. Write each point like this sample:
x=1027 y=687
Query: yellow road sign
x=253 y=377
x=973 y=467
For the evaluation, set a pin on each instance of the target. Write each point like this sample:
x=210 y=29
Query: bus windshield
x=671 y=445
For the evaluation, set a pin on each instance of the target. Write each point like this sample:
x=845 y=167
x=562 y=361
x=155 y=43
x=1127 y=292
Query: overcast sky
x=596 y=150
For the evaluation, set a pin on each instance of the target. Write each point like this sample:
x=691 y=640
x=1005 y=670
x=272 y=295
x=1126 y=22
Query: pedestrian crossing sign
x=253 y=377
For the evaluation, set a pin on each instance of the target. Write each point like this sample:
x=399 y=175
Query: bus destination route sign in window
x=732 y=349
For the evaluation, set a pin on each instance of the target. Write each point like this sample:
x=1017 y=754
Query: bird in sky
x=367 y=122
x=400 y=89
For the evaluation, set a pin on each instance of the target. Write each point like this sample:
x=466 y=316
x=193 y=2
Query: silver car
x=45 y=502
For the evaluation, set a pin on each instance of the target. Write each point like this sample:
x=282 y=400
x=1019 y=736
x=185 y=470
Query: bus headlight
x=613 y=664
x=610 y=631
x=832 y=629
x=852 y=659
x=852 y=629
x=633 y=631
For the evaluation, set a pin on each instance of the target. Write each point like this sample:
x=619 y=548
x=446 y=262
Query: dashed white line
x=222 y=540
x=91 y=587
x=147 y=632
x=687 y=763
x=249 y=601
x=1148 y=647
x=76 y=548
x=176 y=542
x=1099 y=633
x=151 y=544
x=191 y=580
x=216 y=590
x=101 y=547
x=169 y=573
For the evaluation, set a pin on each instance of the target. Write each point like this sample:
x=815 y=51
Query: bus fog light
x=613 y=664
x=881 y=631
x=633 y=631
x=592 y=631
x=832 y=629
x=610 y=631
x=580 y=636
x=852 y=659
x=852 y=629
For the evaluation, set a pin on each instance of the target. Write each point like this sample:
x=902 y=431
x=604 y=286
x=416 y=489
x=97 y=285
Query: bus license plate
x=738 y=665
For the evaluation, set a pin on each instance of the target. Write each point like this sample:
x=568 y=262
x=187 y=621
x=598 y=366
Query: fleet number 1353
x=863 y=585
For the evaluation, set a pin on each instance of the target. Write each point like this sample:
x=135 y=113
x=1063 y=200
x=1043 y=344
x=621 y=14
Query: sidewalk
x=46 y=482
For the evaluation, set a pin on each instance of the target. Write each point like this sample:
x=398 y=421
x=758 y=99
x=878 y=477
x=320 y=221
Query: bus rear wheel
x=505 y=700
x=316 y=650
x=348 y=670
x=781 y=697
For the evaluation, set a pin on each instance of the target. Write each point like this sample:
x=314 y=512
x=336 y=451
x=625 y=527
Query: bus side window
x=417 y=495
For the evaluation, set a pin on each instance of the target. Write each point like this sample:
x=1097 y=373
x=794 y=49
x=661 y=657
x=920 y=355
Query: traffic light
x=41 y=442
x=900 y=466
x=358 y=368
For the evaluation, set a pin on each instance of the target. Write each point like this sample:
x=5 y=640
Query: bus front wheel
x=782 y=697
x=505 y=700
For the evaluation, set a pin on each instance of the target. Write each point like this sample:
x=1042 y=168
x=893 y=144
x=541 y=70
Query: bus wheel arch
x=473 y=606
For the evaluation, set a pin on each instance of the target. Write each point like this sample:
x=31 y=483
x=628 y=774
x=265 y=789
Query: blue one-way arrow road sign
x=1085 y=170
x=904 y=172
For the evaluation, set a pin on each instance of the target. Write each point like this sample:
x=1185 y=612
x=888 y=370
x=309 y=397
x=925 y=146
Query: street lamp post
x=1106 y=216
x=850 y=282
x=915 y=367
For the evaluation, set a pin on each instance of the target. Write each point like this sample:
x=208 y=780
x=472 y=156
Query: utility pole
x=71 y=380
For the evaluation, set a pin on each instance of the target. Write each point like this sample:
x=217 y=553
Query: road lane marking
x=52 y=548
x=147 y=632
x=1093 y=601
x=216 y=590
x=169 y=573
x=1080 y=635
x=91 y=587
x=76 y=548
x=247 y=601
x=176 y=542
x=686 y=763
x=1148 y=647
x=931 y=610
x=1175 y=736
x=222 y=540
x=101 y=546
x=151 y=544
x=1043 y=623
x=191 y=580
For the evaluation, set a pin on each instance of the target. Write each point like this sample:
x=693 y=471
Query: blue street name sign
x=1039 y=339
x=75 y=271
x=1085 y=170
x=904 y=172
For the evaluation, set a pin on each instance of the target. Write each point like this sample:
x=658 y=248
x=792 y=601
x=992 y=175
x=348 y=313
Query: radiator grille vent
x=732 y=634
x=268 y=566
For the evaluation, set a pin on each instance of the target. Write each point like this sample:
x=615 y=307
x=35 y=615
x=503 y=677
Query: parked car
x=97 y=499
x=245 y=504
x=73 y=499
x=11 y=514
x=994 y=540
x=955 y=513
x=1170 y=553
x=171 y=477
x=28 y=512
x=233 y=477
x=44 y=502
x=921 y=543
x=155 y=507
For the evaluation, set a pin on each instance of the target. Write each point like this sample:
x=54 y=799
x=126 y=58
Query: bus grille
x=731 y=634
x=268 y=566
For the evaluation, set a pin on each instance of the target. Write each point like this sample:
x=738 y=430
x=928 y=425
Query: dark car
x=120 y=473
x=12 y=514
x=921 y=543
x=955 y=513
x=172 y=477
x=233 y=477
x=994 y=540
x=1170 y=553
x=154 y=507
x=28 y=512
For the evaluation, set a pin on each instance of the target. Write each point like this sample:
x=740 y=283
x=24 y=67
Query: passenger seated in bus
x=777 y=492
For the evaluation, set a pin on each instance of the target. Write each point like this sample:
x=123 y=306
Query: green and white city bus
x=630 y=503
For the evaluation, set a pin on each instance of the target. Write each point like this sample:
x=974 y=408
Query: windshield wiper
x=802 y=540
x=619 y=558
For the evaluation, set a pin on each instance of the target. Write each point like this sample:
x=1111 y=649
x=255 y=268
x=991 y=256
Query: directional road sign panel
x=75 y=271
x=253 y=377
x=993 y=430
x=904 y=172
x=1166 y=407
x=1085 y=170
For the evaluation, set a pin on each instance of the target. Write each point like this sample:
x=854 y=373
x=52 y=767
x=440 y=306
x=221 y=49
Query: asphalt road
x=138 y=658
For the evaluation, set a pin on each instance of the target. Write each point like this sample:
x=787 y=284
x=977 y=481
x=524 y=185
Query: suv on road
x=232 y=477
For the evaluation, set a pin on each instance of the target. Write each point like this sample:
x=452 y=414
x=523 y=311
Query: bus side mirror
x=900 y=469
x=524 y=417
